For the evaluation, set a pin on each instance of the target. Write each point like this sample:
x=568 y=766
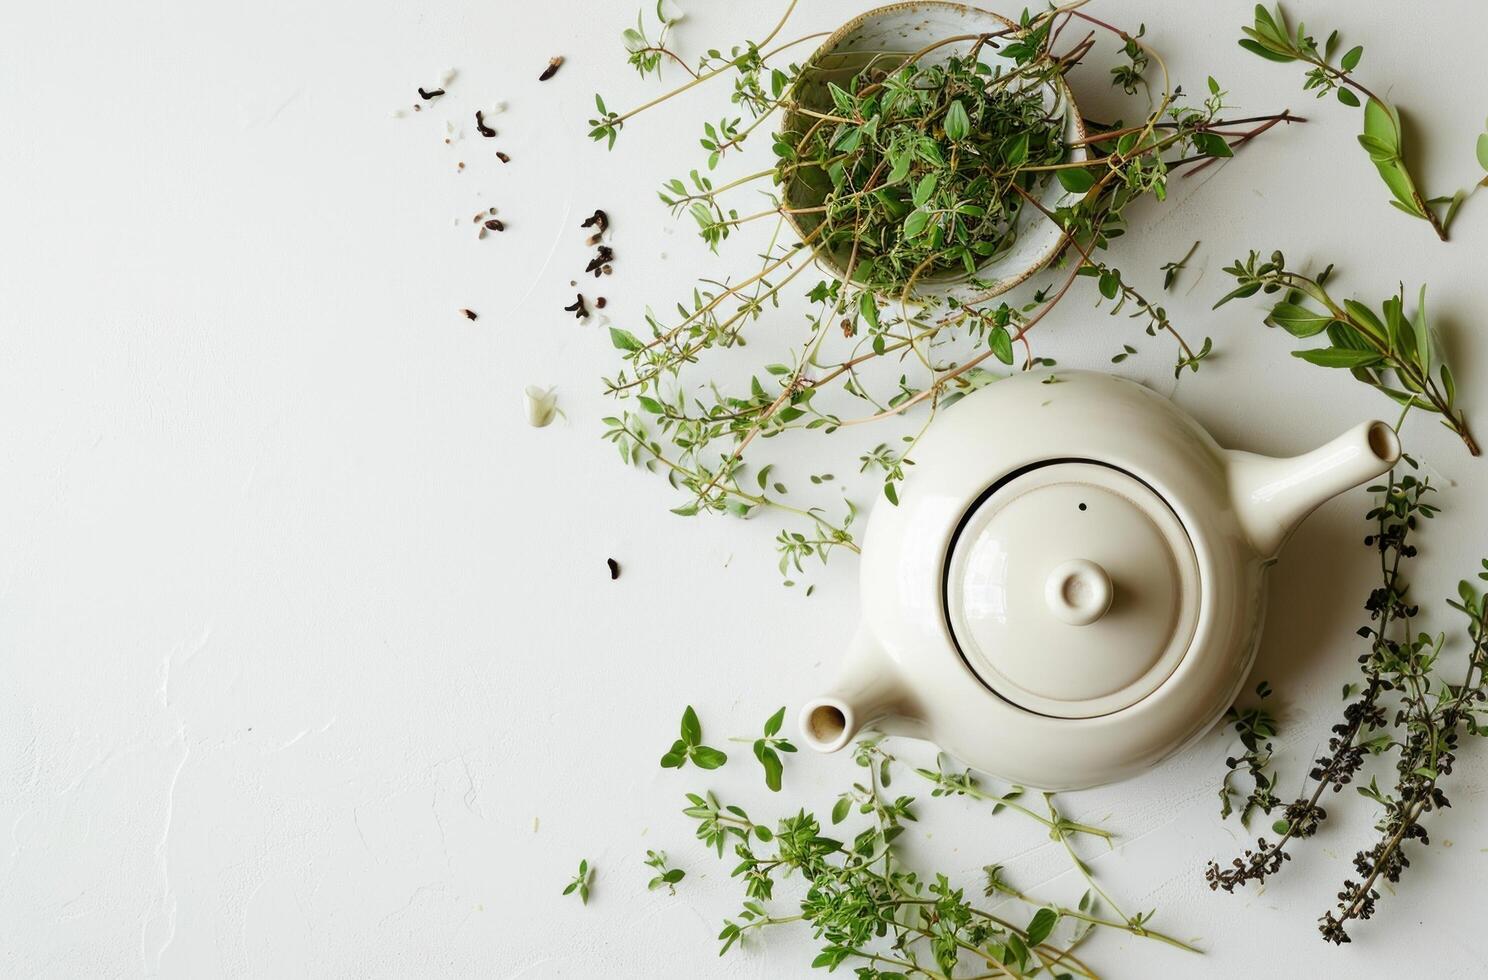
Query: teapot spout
x=1272 y=496
x=867 y=690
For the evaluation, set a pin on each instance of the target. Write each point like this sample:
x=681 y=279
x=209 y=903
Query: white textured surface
x=312 y=663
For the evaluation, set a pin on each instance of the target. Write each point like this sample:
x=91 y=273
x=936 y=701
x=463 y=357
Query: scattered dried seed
x=428 y=94
x=461 y=165
x=599 y=302
x=481 y=127
x=599 y=221
x=578 y=309
x=495 y=224
x=553 y=65
x=602 y=257
x=614 y=568
x=502 y=157
x=469 y=314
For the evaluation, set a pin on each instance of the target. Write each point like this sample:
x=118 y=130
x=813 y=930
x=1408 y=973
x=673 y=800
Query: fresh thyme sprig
x=1113 y=286
x=1255 y=726
x=1388 y=351
x=648 y=56
x=768 y=747
x=1170 y=270
x=1135 y=924
x=666 y=876
x=866 y=907
x=690 y=746
x=580 y=882
x=966 y=783
x=918 y=168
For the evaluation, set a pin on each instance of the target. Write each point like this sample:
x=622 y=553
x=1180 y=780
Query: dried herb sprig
x=921 y=169
x=1388 y=351
x=1272 y=38
x=1403 y=705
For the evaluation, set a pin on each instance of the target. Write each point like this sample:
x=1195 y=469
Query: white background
x=312 y=665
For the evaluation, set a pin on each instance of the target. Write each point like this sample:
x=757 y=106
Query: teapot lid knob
x=1078 y=592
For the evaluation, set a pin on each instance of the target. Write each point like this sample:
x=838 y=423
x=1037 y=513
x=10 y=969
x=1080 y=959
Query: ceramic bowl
x=904 y=28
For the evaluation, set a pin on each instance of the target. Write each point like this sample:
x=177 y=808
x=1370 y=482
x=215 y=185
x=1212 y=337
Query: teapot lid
x=1072 y=589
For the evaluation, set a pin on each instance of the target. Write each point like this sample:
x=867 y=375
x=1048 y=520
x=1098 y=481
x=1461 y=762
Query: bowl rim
x=1046 y=255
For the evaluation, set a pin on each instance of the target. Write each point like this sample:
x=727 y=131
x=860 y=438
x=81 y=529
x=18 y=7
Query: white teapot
x=1072 y=586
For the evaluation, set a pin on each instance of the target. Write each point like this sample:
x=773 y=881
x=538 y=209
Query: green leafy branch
x=1389 y=351
x=1272 y=38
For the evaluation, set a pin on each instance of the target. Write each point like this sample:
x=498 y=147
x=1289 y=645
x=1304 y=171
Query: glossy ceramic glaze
x=1112 y=635
x=904 y=28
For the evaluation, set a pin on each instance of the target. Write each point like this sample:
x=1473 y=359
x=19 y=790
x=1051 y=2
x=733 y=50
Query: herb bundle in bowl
x=911 y=164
